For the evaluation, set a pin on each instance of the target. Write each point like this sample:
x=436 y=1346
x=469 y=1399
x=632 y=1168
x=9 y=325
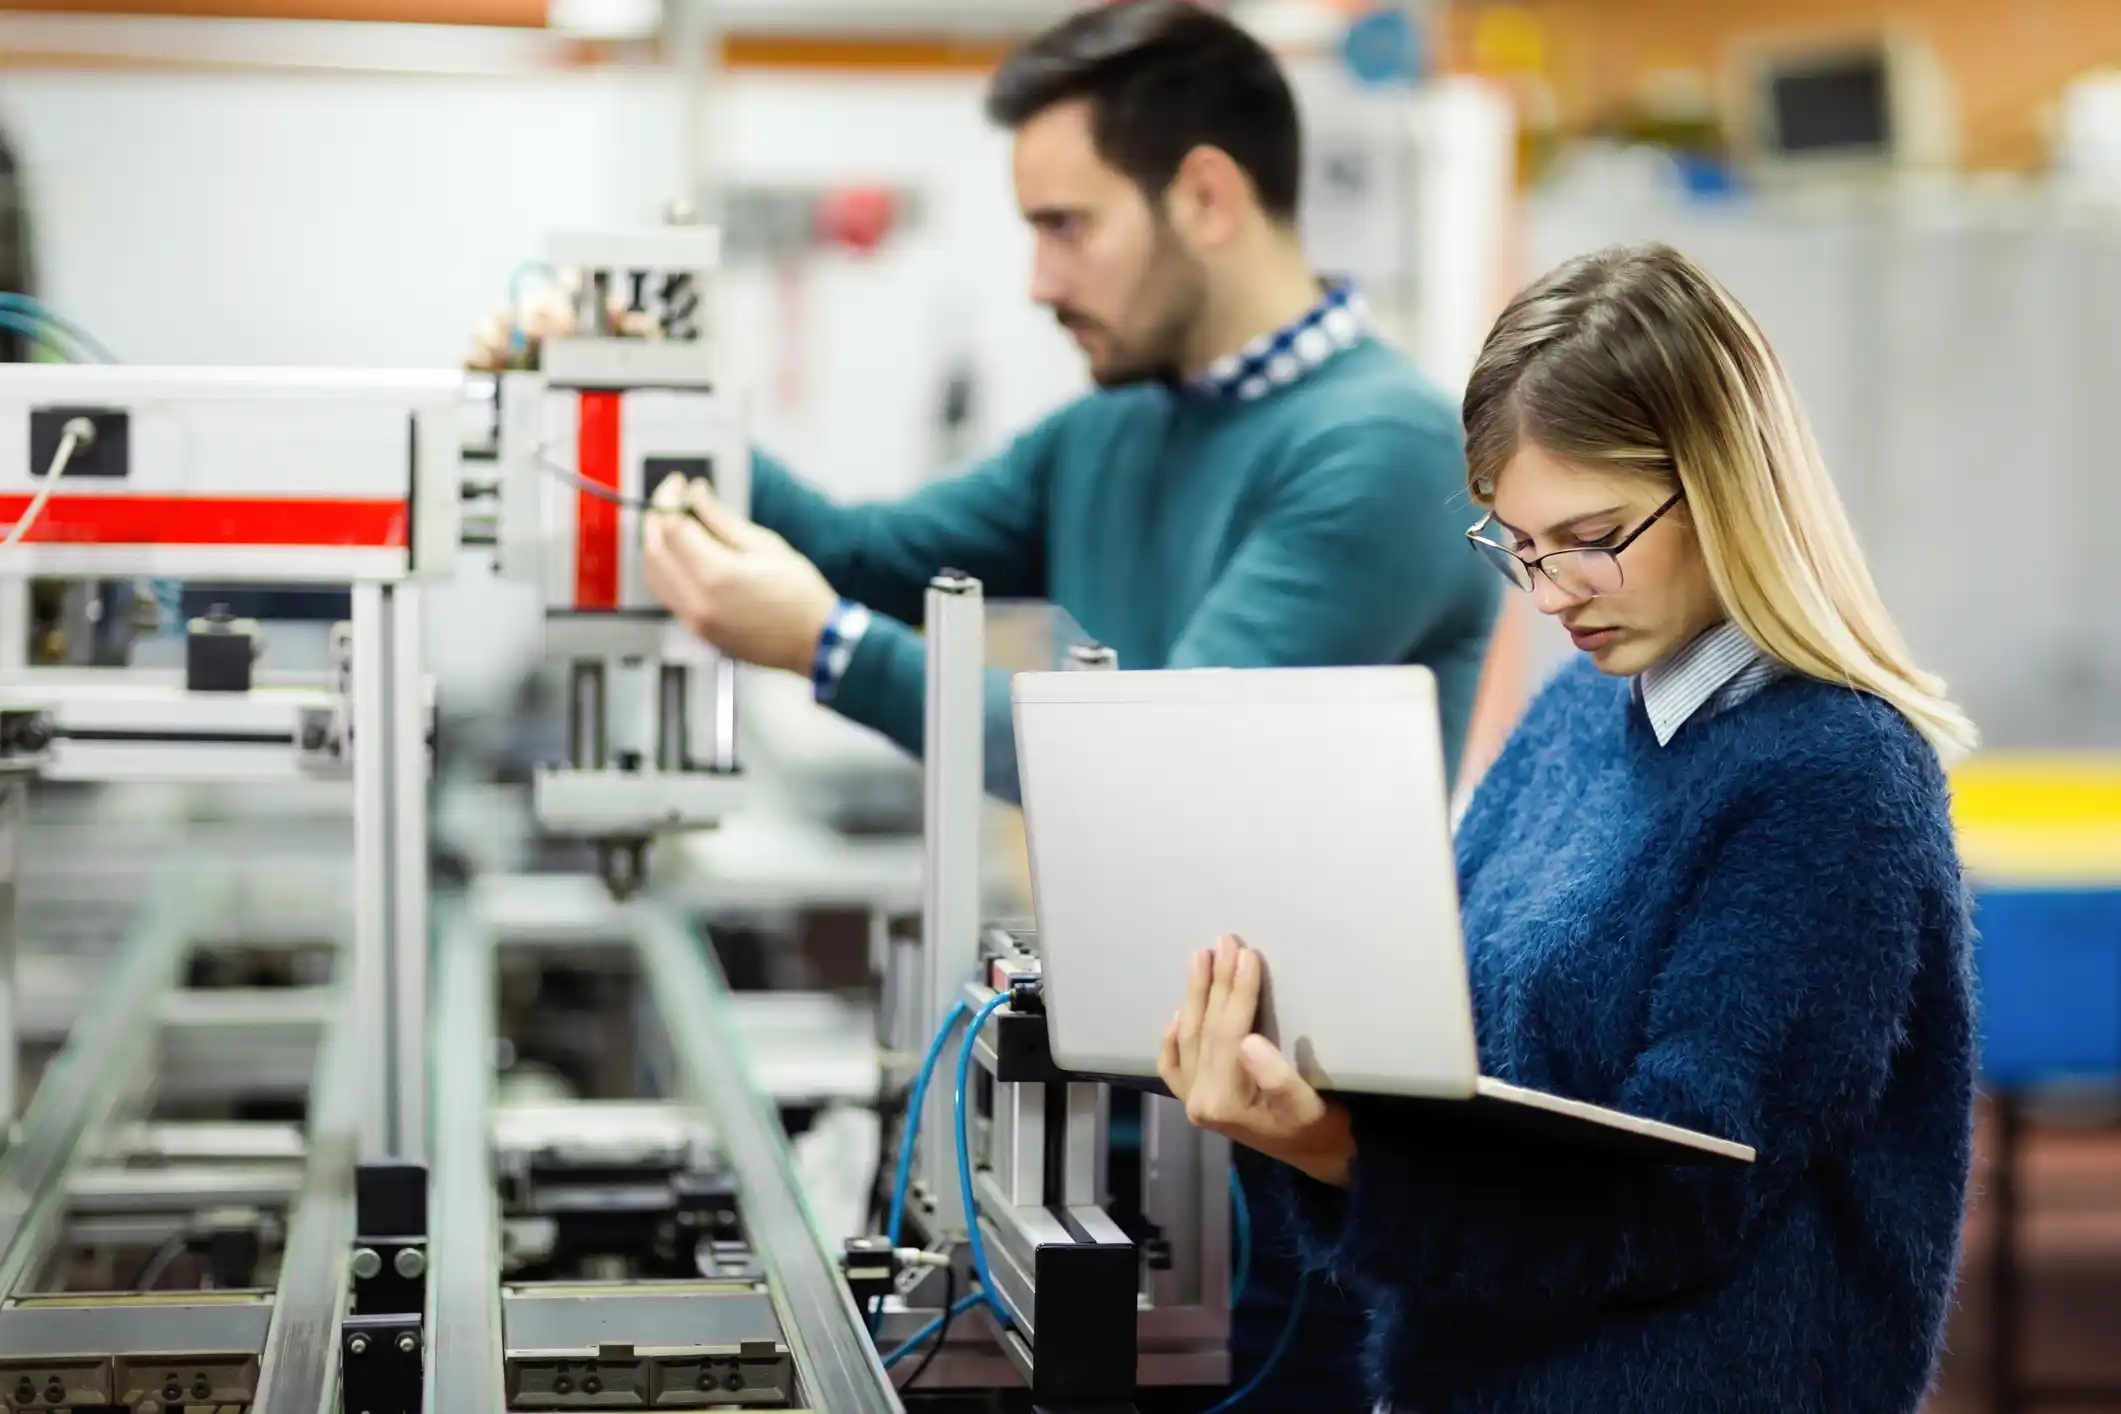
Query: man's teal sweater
x=1320 y=524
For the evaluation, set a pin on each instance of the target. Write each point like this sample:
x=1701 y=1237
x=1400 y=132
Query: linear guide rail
x=767 y=1323
x=67 y=1187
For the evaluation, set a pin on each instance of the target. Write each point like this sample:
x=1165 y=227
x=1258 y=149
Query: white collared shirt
x=1718 y=670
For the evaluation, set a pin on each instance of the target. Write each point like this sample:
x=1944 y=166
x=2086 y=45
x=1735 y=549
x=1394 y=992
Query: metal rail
x=301 y=1362
x=464 y=1375
x=834 y=1356
x=104 y=1060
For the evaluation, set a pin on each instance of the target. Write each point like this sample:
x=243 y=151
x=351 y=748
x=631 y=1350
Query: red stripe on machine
x=211 y=520
x=596 y=518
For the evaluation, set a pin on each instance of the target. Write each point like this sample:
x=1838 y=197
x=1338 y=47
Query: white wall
x=876 y=333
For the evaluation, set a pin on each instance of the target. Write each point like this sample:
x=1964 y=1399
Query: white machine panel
x=694 y=249
x=298 y=476
x=589 y=551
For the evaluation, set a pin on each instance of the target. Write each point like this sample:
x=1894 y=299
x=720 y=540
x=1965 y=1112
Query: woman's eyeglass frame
x=1523 y=576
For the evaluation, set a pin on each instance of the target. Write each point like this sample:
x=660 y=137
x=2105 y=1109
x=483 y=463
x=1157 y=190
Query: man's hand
x=513 y=338
x=737 y=585
x=1236 y=1083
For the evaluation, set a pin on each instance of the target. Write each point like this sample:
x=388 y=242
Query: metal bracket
x=382 y=1354
x=381 y=1365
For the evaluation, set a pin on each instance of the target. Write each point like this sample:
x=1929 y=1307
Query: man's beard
x=1173 y=293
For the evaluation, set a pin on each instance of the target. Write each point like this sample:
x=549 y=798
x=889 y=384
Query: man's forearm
x=831 y=536
x=988 y=522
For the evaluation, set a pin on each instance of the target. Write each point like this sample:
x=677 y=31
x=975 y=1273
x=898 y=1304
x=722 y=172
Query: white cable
x=78 y=436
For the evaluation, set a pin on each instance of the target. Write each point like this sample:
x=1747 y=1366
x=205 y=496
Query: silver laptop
x=1304 y=810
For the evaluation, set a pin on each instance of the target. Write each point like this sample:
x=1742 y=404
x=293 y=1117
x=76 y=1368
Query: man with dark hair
x=1257 y=480
x=1131 y=94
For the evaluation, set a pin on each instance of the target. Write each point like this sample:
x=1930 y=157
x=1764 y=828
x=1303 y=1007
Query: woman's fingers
x=1169 y=1064
x=1224 y=965
x=1195 y=1011
x=1234 y=999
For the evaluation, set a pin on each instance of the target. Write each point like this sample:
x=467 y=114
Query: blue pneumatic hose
x=964 y=1158
x=916 y=1102
x=1281 y=1346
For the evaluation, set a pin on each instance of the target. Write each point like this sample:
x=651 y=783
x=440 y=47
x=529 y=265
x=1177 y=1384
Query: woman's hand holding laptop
x=1238 y=1083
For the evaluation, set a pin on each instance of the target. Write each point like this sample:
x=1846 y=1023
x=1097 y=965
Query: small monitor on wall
x=1875 y=103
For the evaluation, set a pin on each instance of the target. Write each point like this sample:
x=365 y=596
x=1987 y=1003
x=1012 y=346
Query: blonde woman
x=1710 y=880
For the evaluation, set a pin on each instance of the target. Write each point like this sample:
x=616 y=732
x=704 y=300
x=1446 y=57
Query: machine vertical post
x=953 y=760
x=409 y=941
x=373 y=908
x=1083 y=1157
x=725 y=743
x=1185 y=1193
x=1088 y=1107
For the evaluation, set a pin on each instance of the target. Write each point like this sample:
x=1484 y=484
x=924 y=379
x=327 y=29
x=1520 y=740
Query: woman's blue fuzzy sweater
x=1758 y=931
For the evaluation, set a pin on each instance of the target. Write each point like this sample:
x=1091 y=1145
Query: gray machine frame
x=1035 y=1127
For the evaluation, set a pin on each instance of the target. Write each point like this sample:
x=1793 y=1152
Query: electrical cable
x=964 y=1158
x=604 y=493
x=29 y=316
x=942 y=1330
x=78 y=433
x=161 y=1261
x=912 y=1342
x=36 y=331
x=34 y=308
x=1243 y=1213
x=1281 y=1346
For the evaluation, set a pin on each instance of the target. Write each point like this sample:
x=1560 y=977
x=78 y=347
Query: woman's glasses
x=1581 y=574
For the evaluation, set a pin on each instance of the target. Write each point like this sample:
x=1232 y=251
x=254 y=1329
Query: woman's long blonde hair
x=1635 y=357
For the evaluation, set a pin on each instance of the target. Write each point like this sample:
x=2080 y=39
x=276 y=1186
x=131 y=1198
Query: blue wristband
x=835 y=647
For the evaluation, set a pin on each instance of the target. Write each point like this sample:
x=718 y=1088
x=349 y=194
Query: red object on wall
x=857 y=217
x=596 y=518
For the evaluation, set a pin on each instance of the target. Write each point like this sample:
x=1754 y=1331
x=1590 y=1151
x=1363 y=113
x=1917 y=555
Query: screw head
x=406 y=1344
x=358 y=1345
x=367 y=1262
x=411 y=1262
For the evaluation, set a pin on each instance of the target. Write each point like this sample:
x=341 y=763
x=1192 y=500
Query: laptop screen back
x=1304 y=810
